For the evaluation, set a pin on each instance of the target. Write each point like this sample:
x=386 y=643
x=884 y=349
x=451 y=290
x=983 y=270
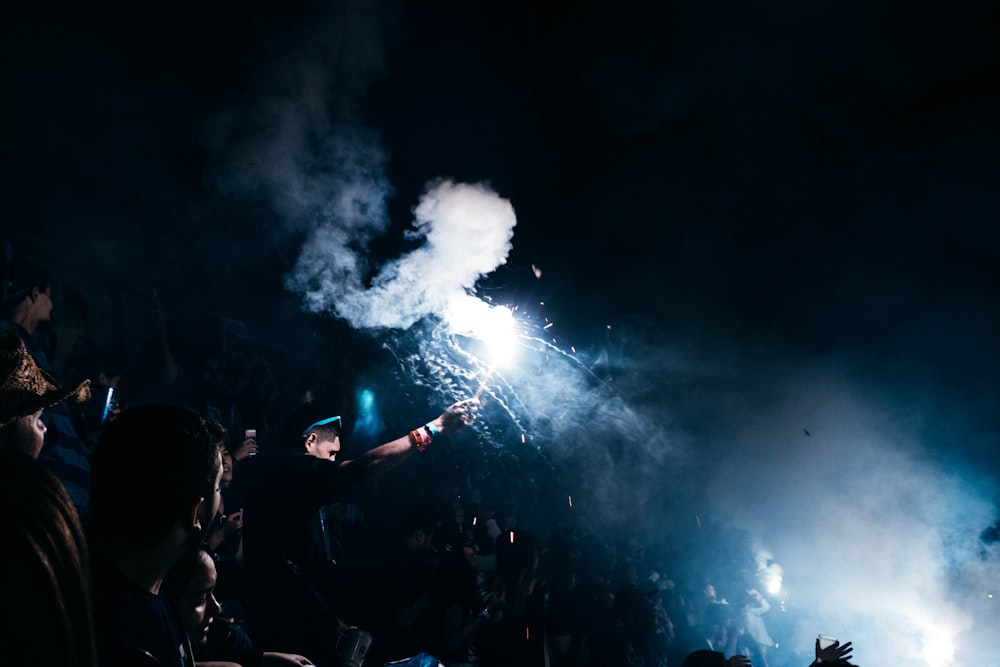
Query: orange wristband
x=420 y=438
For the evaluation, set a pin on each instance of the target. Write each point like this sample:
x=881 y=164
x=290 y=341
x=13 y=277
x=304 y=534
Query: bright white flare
x=493 y=325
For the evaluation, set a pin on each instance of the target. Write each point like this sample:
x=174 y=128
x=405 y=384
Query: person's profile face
x=323 y=449
x=227 y=468
x=43 y=305
x=29 y=434
x=197 y=603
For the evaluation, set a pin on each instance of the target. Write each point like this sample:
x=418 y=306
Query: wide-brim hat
x=24 y=387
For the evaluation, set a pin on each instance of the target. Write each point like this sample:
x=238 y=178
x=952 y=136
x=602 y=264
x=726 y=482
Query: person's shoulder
x=276 y=473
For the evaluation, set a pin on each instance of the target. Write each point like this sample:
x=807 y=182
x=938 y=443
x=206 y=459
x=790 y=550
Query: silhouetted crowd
x=192 y=527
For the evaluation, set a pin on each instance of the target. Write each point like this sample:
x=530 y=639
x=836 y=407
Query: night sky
x=765 y=237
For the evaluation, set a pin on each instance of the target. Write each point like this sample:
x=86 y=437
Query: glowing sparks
x=522 y=438
x=512 y=537
x=493 y=325
x=570 y=500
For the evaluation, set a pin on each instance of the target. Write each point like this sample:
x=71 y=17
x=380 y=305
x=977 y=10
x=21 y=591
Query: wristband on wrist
x=432 y=428
x=420 y=437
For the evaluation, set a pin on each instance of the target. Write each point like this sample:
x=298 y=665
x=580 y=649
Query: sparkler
x=493 y=325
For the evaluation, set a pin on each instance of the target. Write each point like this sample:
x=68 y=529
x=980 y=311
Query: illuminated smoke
x=877 y=540
x=466 y=233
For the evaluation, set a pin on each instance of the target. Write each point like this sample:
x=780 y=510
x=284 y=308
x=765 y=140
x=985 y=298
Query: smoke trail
x=296 y=144
x=466 y=232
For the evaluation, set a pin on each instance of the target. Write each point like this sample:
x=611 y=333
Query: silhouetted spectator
x=156 y=477
x=214 y=638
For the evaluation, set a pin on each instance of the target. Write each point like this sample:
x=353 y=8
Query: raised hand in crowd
x=246 y=448
x=834 y=653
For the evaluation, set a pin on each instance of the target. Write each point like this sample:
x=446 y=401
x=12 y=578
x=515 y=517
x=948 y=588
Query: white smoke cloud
x=466 y=232
x=299 y=144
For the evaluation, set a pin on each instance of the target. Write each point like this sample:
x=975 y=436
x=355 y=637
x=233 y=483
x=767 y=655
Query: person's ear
x=310 y=441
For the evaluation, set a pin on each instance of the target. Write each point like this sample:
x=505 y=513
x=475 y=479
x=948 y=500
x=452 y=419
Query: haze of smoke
x=878 y=543
x=295 y=142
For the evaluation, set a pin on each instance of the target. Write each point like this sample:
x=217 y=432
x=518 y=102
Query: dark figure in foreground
x=45 y=605
x=156 y=477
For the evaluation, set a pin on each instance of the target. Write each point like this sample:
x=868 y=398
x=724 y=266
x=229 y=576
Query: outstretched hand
x=835 y=652
x=458 y=415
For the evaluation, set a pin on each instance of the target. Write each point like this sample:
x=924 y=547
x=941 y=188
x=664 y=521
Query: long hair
x=45 y=597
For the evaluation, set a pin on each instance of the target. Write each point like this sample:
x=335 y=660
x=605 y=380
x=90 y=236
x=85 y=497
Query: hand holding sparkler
x=456 y=417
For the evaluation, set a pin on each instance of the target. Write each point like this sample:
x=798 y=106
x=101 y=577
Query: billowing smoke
x=466 y=233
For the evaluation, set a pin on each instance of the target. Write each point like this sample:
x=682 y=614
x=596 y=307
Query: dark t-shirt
x=135 y=627
x=289 y=578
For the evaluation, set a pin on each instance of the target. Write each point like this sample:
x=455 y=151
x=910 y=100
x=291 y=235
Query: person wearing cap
x=25 y=392
x=287 y=553
x=28 y=303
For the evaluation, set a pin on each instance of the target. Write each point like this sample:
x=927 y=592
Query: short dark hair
x=21 y=277
x=150 y=464
x=325 y=432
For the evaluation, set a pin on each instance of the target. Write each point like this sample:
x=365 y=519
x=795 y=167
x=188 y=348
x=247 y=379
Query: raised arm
x=385 y=457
